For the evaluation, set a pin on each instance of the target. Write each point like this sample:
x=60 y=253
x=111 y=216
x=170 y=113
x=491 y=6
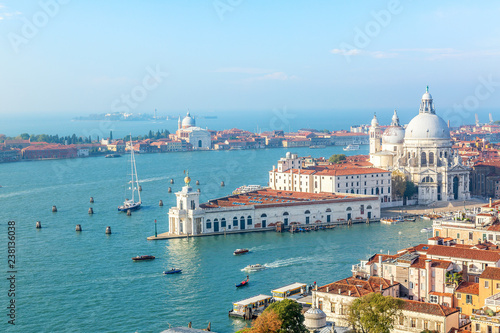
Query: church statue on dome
x=423 y=152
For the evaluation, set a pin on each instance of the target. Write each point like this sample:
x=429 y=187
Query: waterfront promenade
x=437 y=207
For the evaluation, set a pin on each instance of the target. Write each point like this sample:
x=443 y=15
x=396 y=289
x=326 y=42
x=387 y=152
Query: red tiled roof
x=492 y=273
x=357 y=287
x=455 y=252
x=468 y=288
x=428 y=308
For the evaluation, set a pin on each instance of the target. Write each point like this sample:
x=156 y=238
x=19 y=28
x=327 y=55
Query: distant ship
x=317 y=146
x=351 y=148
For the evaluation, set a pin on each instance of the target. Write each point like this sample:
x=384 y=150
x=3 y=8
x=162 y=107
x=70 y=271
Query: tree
x=398 y=184
x=267 y=322
x=374 y=313
x=337 y=158
x=411 y=189
x=290 y=313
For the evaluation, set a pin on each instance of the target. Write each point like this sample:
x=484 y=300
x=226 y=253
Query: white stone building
x=424 y=153
x=263 y=209
x=290 y=176
x=199 y=138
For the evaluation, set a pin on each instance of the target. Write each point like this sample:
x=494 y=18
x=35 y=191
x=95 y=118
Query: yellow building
x=489 y=283
x=467 y=297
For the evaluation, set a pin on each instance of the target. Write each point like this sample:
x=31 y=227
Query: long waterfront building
x=263 y=209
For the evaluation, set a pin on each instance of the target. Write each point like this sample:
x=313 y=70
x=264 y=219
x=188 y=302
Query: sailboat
x=131 y=204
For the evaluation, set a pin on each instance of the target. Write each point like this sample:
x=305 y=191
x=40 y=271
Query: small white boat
x=390 y=221
x=351 y=147
x=254 y=268
x=426 y=230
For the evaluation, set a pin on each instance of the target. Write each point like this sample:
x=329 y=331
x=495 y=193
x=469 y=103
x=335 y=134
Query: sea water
x=85 y=281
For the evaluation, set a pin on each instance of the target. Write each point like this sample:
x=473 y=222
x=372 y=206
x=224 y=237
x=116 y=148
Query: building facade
x=264 y=209
x=423 y=152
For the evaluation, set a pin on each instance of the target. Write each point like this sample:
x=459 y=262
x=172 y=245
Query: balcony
x=361 y=270
x=486 y=316
x=475 y=270
x=493 y=300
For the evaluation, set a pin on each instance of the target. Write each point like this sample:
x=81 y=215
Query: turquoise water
x=87 y=282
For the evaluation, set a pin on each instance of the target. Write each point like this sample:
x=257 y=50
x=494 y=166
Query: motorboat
x=426 y=230
x=173 y=271
x=113 y=155
x=410 y=219
x=254 y=268
x=390 y=221
x=351 y=147
x=240 y=251
x=243 y=283
x=147 y=257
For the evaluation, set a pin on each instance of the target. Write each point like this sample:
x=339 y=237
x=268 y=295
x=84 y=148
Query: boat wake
x=154 y=179
x=286 y=262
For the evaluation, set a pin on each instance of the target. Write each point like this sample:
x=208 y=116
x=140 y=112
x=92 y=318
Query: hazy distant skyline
x=82 y=57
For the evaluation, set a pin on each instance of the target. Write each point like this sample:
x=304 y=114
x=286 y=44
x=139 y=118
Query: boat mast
x=137 y=181
x=132 y=166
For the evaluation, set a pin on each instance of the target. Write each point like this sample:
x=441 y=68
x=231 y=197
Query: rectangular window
x=438 y=327
x=413 y=323
x=459 y=296
x=458 y=236
x=478 y=327
x=486 y=283
x=468 y=299
x=332 y=307
x=498 y=285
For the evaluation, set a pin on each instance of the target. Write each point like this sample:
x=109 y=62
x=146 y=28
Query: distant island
x=127 y=116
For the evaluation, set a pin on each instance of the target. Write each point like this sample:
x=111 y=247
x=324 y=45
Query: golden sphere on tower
x=187 y=180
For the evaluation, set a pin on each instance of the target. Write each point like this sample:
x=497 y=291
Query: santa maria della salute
x=423 y=152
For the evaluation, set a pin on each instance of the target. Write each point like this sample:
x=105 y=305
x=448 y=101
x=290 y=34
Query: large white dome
x=188 y=121
x=427 y=126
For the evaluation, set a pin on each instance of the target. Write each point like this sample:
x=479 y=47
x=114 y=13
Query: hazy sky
x=81 y=57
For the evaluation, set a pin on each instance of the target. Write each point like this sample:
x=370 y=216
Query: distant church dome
x=394 y=134
x=188 y=121
x=427 y=125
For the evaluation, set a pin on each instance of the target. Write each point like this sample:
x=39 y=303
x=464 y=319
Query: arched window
x=328 y=210
x=424 y=159
x=263 y=215
x=223 y=223
x=285 y=214
x=348 y=209
x=307 y=212
x=209 y=224
x=369 y=207
x=200 y=144
x=249 y=220
x=235 y=221
x=428 y=179
x=431 y=158
x=377 y=191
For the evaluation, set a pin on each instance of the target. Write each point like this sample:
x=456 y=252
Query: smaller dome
x=314 y=313
x=427 y=96
x=314 y=318
x=393 y=135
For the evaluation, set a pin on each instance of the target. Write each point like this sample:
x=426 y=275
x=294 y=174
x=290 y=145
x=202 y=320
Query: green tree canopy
x=337 y=158
x=411 y=189
x=374 y=313
x=398 y=184
x=290 y=313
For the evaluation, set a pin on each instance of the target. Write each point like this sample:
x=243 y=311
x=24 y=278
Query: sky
x=63 y=57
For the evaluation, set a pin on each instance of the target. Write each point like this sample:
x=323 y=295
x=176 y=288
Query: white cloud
x=346 y=52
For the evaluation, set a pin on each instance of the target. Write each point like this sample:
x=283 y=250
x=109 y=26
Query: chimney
x=327 y=289
x=340 y=292
x=349 y=293
x=490 y=203
x=381 y=287
x=380 y=265
x=429 y=276
x=392 y=280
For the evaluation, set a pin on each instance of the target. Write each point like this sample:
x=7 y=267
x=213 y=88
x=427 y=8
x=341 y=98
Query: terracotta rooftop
x=468 y=288
x=357 y=287
x=455 y=252
x=492 y=273
x=268 y=197
x=428 y=308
